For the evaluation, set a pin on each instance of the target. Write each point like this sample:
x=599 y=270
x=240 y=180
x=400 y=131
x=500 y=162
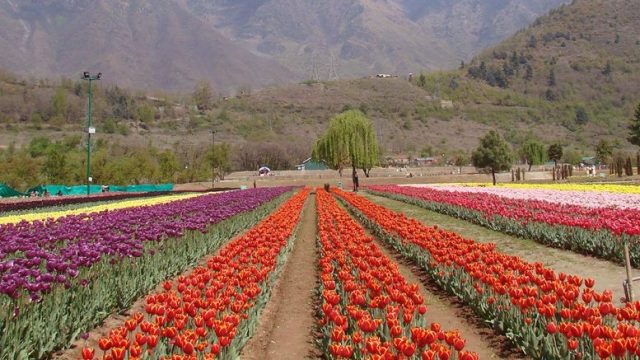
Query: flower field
x=368 y=309
x=210 y=276
x=93 y=208
x=211 y=311
x=547 y=216
x=103 y=261
x=56 y=201
x=548 y=315
x=562 y=195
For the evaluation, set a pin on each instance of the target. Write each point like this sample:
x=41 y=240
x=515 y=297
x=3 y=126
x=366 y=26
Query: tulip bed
x=595 y=187
x=368 y=308
x=547 y=315
x=35 y=203
x=582 y=198
x=59 y=278
x=87 y=208
x=212 y=311
x=599 y=232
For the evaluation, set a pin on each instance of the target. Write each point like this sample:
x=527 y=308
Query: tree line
x=44 y=161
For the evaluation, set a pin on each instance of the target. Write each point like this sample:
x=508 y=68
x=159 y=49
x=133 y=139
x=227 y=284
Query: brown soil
x=607 y=274
x=452 y=314
x=285 y=328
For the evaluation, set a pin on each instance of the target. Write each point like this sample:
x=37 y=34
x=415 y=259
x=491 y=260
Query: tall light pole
x=213 y=158
x=90 y=130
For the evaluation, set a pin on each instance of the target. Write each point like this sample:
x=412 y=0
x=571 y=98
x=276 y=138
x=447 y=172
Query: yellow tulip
x=124 y=204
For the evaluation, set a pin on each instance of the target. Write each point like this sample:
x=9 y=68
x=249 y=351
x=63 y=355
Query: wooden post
x=628 y=285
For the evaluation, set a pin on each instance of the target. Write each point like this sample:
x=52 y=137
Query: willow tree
x=349 y=141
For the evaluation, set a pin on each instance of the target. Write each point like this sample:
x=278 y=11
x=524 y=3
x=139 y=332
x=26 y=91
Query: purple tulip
x=43 y=254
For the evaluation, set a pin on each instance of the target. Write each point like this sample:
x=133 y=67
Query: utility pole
x=90 y=130
x=213 y=158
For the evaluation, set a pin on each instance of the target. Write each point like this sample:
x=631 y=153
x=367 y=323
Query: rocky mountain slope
x=173 y=44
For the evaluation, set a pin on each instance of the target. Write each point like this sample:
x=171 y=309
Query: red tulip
x=87 y=354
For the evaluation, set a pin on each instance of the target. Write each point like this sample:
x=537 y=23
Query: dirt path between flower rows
x=452 y=314
x=285 y=329
x=607 y=274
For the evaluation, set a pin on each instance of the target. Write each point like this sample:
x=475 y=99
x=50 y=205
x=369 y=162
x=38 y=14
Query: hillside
x=510 y=88
x=285 y=121
x=174 y=44
x=137 y=44
x=578 y=67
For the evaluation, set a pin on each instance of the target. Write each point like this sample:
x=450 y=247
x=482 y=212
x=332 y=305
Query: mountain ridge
x=174 y=44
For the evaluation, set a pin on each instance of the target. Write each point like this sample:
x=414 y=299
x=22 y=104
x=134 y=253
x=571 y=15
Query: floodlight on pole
x=90 y=129
x=213 y=158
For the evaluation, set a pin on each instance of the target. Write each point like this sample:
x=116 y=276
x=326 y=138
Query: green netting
x=142 y=188
x=6 y=191
x=93 y=189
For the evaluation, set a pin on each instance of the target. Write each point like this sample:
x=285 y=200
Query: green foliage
x=219 y=157
x=572 y=156
x=109 y=126
x=202 y=96
x=426 y=151
x=122 y=104
x=581 y=116
x=168 y=166
x=145 y=113
x=604 y=151
x=59 y=102
x=493 y=154
x=350 y=140
x=54 y=167
x=38 y=146
x=552 y=78
x=634 y=128
x=533 y=153
x=554 y=152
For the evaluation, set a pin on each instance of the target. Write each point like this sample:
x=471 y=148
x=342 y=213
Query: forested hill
x=582 y=61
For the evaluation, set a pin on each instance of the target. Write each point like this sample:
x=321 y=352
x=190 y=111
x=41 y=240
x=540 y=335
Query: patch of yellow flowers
x=124 y=204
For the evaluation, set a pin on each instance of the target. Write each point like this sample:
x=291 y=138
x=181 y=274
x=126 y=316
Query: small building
x=310 y=164
x=589 y=161
x=425 y=161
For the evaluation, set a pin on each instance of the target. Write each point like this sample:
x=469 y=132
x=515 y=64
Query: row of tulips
x=594 y=187
x=587 y=199
x=34 y=256
x=548 y=315
x=87 y=208
x=599 y=232
x=211 y=312
x=369 y=310
x=82 y=268
x=42 y=202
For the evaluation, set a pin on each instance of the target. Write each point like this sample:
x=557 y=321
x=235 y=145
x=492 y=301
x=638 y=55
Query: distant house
x=312 y=165
x=589 y=161
x=425 y=161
